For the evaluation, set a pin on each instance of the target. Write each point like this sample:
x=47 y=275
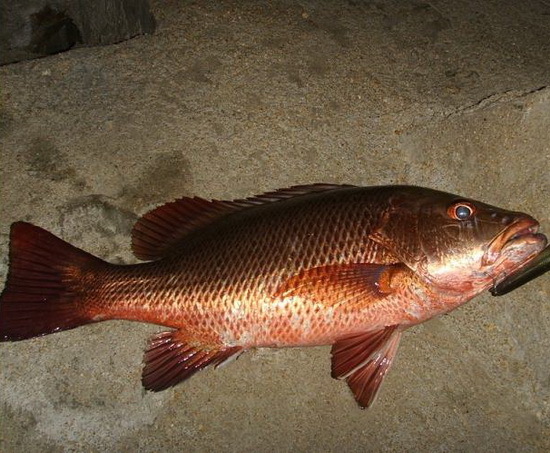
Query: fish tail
x=42 y=294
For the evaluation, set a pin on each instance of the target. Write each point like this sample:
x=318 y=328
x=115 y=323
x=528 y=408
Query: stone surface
x=229 y=99
x=36 y=28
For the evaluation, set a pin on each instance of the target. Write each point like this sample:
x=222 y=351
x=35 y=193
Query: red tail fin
x=41 y=294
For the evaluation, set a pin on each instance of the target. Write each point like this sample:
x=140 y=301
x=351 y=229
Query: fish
x=533 y=269
x=323 y=264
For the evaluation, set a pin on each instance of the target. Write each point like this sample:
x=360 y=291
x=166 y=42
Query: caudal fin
x=41 y=294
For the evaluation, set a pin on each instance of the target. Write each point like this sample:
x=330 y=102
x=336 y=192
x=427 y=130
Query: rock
x=36 y=28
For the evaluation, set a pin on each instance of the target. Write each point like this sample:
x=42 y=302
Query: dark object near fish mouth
x=535 y=268
x=526 y=226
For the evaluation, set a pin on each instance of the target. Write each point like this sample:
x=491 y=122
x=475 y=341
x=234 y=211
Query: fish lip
x=525 y=226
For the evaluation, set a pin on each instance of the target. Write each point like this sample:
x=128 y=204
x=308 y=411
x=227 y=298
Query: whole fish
x=351 y=267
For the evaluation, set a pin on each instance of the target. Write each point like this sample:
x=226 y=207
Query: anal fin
x=363 y=361
x=172 y=357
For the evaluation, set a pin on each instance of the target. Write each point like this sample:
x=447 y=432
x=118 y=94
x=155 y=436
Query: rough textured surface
x=230 y=99
x=35 y=28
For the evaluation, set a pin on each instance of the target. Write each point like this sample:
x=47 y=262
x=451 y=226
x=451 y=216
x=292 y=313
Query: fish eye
x=461 y=210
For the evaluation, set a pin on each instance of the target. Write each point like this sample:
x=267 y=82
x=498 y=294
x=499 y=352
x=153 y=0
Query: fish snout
x=521 y=230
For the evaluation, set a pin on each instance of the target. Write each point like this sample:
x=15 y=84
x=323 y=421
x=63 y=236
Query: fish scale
x=346 y=266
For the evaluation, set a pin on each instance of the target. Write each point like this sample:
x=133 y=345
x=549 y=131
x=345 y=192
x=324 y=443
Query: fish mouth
x=524 y=229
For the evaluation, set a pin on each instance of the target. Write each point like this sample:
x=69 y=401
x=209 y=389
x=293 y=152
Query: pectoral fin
x=172 y=357
x=363 y=361
x=341 y=283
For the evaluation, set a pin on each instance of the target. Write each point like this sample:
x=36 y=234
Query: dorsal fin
x=160 y=229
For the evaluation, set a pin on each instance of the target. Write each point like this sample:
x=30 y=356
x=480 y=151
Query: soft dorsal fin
x=160 y=229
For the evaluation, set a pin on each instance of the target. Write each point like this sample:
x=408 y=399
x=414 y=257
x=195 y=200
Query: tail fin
x=41 y=294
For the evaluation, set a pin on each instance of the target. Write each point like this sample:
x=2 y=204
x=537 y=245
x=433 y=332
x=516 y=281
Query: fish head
x=455 y=243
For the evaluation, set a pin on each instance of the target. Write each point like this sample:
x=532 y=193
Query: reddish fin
x=171 y=358
x=341 y=283
x=156 y=233
x=40 y=297
x=363 y=361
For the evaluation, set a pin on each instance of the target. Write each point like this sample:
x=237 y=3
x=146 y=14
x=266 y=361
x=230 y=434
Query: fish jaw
x=514 y=236
x=517 y=252
x=534 y=268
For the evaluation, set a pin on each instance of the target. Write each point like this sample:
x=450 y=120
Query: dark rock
x=52 y=32
x=36 y=28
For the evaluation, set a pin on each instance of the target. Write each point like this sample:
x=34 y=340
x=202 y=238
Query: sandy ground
x=229 y=99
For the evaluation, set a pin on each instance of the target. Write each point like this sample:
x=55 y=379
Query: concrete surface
x=229 y=99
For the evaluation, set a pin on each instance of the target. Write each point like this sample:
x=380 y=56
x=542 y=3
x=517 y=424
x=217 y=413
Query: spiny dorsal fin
x=160 y=229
